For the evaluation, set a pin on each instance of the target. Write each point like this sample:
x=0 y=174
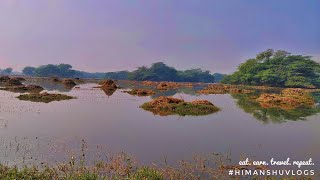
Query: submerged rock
x=141 y=92
x=164 y=106
x=44 y=97
x=290 y=98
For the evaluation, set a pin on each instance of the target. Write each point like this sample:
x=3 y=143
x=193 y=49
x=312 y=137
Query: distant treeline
x=6 y=71
x=161 y=72
x=277 y=68
x=157 y=72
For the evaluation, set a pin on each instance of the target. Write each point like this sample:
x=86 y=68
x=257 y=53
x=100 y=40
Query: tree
x=278 y=68
x=161 y=72
x=30 y=71
x=7 y=71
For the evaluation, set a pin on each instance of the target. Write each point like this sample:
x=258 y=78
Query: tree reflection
x=274 y=115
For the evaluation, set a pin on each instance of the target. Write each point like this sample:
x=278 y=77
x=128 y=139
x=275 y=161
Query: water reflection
x=275 y=115
x=108 y=92
x=50 y=85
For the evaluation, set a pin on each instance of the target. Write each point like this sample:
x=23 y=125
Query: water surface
x=37 y=131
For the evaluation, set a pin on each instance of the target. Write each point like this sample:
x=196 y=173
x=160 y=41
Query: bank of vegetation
x=279 y=69
x=156 y=72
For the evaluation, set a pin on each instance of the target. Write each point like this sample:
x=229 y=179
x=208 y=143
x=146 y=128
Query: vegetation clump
x=224 y=89
x=4 y=78
x=141 y=92
x=7 y=81
x=167 y=85
x=44 y=97
x=290 y=98
x=164 y=106
x=279 y=69
x=108 y=84
x=149 y=83
x=24 y=89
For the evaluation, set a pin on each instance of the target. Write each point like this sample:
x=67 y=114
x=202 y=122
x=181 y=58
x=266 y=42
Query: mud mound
x=290 y=98
x=68 y=82
x=44 y=97
x=164 y=106
x=224 y=89
x=108 y=84
x=141 y=92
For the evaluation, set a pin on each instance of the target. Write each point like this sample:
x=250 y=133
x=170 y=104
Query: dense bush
x=278 y=68
x=161 y=72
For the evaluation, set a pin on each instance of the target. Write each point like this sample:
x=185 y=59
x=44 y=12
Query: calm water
x=37 y=131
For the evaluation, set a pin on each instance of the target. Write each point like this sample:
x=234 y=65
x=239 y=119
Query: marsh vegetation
x=170 y=106
x=44 y=97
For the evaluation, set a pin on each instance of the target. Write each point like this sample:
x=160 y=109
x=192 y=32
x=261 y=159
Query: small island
x=164 y=106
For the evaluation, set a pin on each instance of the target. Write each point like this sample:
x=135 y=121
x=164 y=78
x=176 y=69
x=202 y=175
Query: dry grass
x=224 y=89
x=169 y=106
x=289 y=98
x=44 y=97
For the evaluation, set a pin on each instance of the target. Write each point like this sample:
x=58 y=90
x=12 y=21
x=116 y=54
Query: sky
x=112 y=35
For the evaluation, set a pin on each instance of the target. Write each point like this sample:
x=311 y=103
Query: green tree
x=30 y=71
x=161 y=72
x=278 y=68
x=7 y=71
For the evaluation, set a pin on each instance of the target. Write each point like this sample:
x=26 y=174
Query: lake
x=35 y=132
